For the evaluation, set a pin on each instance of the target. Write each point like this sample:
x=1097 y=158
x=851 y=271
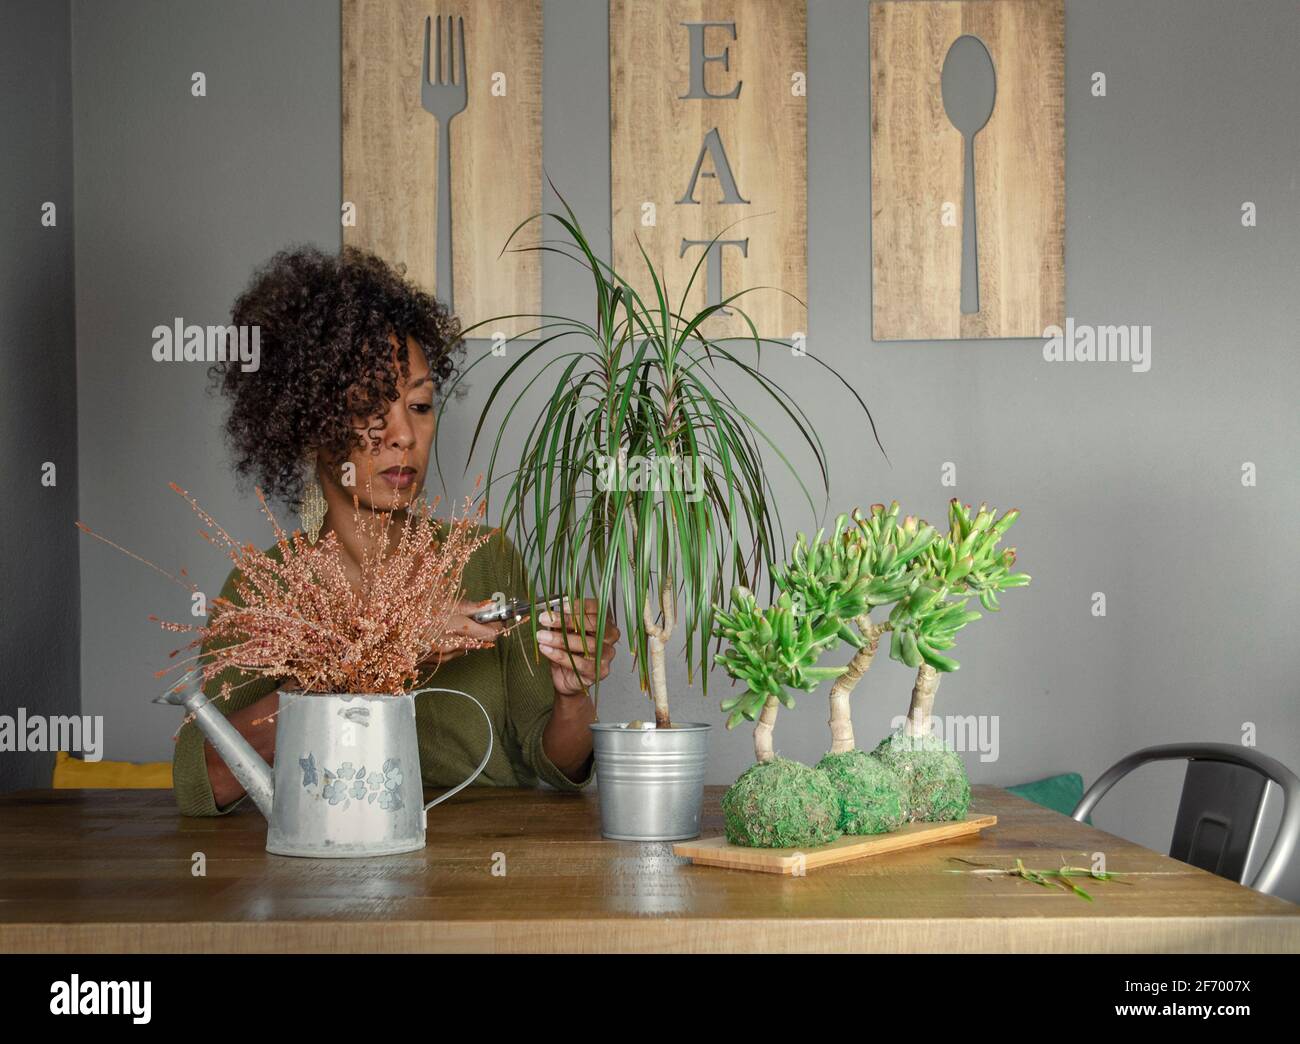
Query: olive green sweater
x=511 y=683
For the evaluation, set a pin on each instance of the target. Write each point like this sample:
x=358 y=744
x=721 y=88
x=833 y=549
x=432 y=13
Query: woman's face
x=389 y=475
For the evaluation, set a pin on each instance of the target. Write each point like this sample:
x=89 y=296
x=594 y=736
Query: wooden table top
x=111 y=870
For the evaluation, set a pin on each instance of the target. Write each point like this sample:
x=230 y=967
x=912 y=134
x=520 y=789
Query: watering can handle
x=481 y=765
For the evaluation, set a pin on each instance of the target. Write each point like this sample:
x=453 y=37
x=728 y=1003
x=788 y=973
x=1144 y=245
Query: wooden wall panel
x=657 y=137
x=390 y=146
x=917 y=164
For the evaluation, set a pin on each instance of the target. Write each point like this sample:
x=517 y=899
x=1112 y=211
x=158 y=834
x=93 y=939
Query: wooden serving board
x=718 y=851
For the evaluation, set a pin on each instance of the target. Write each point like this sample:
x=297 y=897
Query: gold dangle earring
x=312 y=511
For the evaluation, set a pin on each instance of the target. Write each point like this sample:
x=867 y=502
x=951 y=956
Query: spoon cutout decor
x=969 y=88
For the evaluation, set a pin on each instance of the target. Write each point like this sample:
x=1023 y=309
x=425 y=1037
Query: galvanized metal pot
x=650 y=781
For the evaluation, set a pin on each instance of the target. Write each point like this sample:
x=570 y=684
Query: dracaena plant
x=967 y=563
x=642 y=481
x=770 y=651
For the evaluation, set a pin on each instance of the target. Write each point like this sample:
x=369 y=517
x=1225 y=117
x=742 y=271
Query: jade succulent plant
x=828 y=590
x=777 y=802
x=875 y=562
x=924 y=624
x=771 y=651
x=872 y=563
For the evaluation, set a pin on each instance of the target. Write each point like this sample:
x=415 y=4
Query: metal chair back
x=1221 y=808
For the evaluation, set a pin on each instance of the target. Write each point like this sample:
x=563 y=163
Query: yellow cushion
x=75 y=774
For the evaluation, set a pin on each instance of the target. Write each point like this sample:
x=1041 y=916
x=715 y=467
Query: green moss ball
x=931 y=775
x=781 y=804
x=870 y=793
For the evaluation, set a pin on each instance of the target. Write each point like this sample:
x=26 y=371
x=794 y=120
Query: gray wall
x=1129 y=483
x=39 y=655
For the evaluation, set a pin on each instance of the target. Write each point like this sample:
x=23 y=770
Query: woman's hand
x=460 y=622
x=572 y=669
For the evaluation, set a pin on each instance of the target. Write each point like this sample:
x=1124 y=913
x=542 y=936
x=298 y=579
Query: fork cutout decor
x=442 y=148
x=444 y=95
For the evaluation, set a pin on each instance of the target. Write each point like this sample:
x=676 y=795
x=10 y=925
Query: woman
x=342 y=403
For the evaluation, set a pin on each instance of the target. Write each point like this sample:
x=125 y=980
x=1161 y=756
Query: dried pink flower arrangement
x=304 y=623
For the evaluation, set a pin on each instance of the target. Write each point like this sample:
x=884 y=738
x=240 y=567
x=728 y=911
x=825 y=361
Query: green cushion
x=1059 y=793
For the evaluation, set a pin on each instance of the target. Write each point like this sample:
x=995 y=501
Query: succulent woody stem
x=763 y=752
x=918 y=714
x=841 y=720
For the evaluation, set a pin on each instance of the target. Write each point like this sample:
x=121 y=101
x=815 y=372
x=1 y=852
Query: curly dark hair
x=325 y=358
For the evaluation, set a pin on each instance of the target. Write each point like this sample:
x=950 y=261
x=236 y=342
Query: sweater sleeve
x=530 y=697
x=190 y=783
x=530 y=694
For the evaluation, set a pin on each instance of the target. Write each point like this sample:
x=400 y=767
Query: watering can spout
x=245 y=764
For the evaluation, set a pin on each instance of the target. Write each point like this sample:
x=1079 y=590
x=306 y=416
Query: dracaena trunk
x=656 y=644
x=659 y=682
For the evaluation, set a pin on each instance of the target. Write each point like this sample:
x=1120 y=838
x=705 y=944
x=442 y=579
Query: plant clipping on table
x=924 y=625
x=642 y=482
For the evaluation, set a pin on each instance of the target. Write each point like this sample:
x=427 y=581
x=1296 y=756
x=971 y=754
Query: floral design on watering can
x=347 y=784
